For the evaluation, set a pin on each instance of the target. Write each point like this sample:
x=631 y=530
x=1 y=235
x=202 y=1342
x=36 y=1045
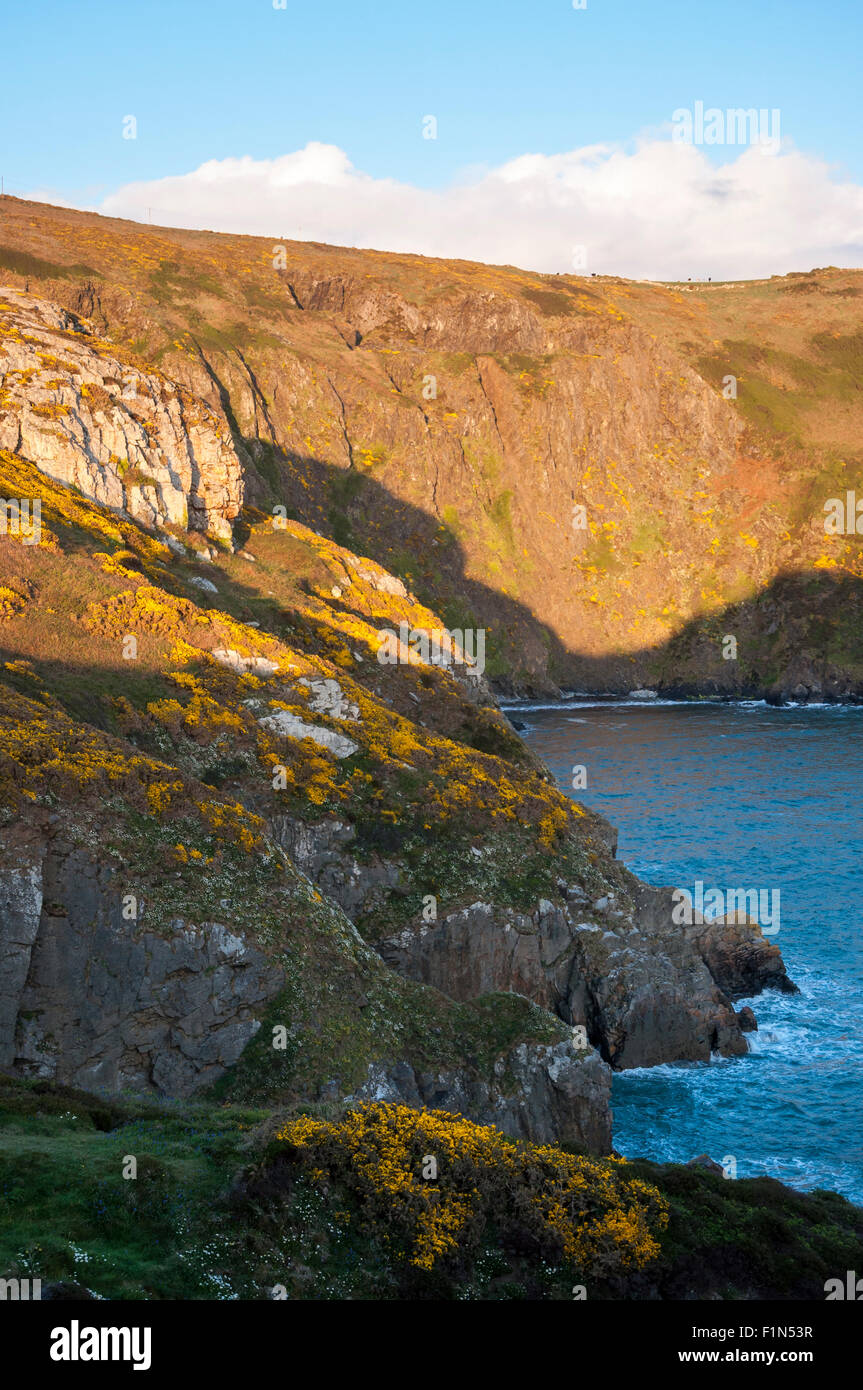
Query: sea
x=741 y=795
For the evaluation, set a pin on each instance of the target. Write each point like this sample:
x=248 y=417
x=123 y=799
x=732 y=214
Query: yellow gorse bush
x=12 y=602
x=43 y=752
x=451 y=785
x=583 y=1211
x=64 y=508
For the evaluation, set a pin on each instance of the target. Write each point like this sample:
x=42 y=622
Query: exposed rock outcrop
x=469 y=1008
x=452 y=417
x=125 y=436
x=91 y=999
x=740 y=958
x=646 y=989
x=283 y=722
x=322 y=851
x=548 y=1094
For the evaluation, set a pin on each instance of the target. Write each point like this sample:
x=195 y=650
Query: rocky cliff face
x=240 y=852
x=643 y=989
x=94 y=1001
x=154 y=935
x=91 y=999
x=612 y=478
x=126 y=437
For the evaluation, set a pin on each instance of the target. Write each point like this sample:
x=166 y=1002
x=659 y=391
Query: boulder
x=705 y=1161
x=740 y=958
x=281 y=721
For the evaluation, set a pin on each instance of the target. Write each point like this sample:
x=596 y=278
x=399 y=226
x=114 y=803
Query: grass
x=752 y=1237
x=532 y=373
x=25 y=264
x=200 y=1222
x=550 y=303
x=600 y=554
x=648 y=538
x=71 y=1215
x=172 y=282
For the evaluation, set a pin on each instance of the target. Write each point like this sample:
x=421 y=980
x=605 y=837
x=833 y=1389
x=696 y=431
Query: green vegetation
x=531 y=373
x=374 y=1015
x=550 y=302
x=751 y=1237
x=777 y=389
x=70 y=1215
x=648 y=538
x=843 y=351
x=25 y=264
x=501 y=513
x=172 y=282
x=267 y=461
x=600 y=553
x=221 y=1210
x=344 y=488
x=456 y=363
x=453 y=524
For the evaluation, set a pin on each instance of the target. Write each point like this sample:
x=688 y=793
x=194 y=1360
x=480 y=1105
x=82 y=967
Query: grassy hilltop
x=448 y=418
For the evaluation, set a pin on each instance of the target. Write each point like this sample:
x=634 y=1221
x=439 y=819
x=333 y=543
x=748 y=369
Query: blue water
x=743 y=796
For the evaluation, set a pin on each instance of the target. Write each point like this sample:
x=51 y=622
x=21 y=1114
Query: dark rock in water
x=740 y=958
x=649 y=990
x=705 y=1161
x=747 y=1020
x=517 y=725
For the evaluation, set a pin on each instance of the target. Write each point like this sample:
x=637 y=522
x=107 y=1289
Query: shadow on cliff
x=800 y=637
x=798 y=634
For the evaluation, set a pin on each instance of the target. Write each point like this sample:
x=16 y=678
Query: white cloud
x=661 y=210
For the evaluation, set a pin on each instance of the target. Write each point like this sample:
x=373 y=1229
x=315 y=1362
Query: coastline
x=673 y=833
x=577 y=699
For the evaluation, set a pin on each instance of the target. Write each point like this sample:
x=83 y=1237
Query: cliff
x=240 y=855
x=611 y=477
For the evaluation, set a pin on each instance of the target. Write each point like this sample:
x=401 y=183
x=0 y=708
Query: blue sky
x=323 y=103
x=208 y=79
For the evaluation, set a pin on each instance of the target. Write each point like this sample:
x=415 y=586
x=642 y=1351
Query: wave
x=603 y=702
x=574 y=701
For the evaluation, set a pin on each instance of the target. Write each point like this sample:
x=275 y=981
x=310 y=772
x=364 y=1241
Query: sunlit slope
x=452 y=421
